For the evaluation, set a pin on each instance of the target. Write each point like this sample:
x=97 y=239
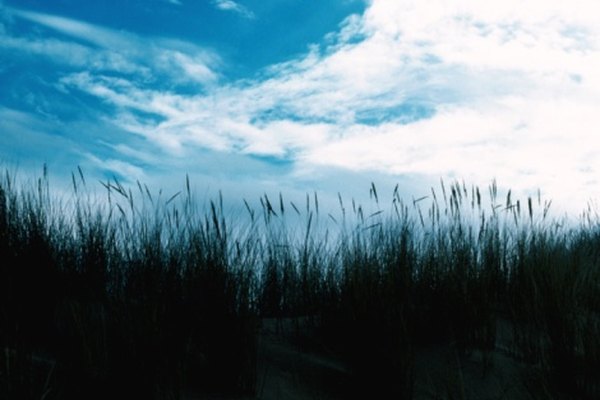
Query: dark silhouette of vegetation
x=138 y=296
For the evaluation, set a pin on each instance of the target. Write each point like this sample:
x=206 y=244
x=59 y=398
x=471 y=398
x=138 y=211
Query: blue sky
x=253 y=96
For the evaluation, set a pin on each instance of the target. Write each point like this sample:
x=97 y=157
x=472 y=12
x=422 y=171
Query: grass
x=144 y=296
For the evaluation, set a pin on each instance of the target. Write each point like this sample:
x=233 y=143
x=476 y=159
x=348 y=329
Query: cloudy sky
x=299 y=95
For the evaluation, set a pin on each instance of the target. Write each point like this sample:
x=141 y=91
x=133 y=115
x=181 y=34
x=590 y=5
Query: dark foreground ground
x=301 y=369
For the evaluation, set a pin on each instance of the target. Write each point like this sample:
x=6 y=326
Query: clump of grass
x=133 y=297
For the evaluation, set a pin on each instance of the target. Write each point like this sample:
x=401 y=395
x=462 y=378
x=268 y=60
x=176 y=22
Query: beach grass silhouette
x=145 y=296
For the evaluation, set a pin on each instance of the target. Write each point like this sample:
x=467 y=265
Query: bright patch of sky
x=266 y=95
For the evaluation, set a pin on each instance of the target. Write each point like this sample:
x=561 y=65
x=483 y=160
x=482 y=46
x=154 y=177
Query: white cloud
x=176 y=2
x=117 y=51
x=466 y=89
x=230 y=5
x=124 y=169
x=100 y=36
x=73 y=54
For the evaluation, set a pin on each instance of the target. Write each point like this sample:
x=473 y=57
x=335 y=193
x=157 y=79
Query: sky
x=260 y=96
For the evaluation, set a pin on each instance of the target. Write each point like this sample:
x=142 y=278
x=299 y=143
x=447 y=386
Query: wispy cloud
x=72 y=54
x=176 y=2
x=146 y=59
x=230 y=5
x=100 y=36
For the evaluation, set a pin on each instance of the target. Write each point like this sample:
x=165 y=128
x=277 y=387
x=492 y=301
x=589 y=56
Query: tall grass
x=150 y=296
x=116 y=298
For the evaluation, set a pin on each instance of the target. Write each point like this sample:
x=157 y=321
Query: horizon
x=252 y=97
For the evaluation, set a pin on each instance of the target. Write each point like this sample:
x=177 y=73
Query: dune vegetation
x=143 y=296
